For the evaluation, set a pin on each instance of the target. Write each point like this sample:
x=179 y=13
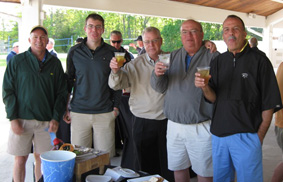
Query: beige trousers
x=96 y=129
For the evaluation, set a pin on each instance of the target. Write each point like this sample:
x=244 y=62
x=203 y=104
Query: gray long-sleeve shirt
x=184 y=103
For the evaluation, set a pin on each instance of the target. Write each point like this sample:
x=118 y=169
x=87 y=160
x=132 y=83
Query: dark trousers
x=64 y=131
x=125 y=120
x=150 y=146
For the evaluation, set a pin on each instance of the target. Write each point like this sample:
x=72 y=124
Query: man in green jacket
x=35 y=95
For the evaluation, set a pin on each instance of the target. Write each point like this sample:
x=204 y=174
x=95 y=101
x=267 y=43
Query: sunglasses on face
x=116 y=41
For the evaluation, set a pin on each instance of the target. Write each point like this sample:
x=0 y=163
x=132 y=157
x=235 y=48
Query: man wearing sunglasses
x=116 y=41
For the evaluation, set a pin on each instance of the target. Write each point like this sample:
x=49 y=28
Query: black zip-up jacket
x=245 y=85
x=88 y=72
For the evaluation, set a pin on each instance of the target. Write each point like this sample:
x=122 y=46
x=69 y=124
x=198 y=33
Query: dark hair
x=116 y=32
x=236 y=17
x=79 y=40
x=95 y=16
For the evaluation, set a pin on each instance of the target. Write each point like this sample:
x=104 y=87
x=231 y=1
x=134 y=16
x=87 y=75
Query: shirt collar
x=242 y=47
x=44 y=58
x=151 y=61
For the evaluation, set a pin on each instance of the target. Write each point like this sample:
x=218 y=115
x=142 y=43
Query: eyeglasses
x=116 y=41
x=154 y=41
x=186 y=32
x=97 y=27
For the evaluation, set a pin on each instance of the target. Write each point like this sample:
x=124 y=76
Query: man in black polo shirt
x=244 y=89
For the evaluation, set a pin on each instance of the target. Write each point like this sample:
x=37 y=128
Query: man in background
x=254 y=44
x=139 y=47
x=14 y=52
x=34 y=93
x=127 y=48
x=79 y=40
x=50 y=47
x=116 y=41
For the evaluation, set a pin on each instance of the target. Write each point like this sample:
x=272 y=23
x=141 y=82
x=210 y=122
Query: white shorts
x=190 y=145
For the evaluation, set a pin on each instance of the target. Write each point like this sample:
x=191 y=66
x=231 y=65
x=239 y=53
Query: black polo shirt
x=245 y=85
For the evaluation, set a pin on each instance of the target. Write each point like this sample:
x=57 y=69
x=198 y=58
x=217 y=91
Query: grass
x=3 y=62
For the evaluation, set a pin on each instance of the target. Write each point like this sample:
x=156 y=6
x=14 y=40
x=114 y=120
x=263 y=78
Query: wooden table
x=90 y=163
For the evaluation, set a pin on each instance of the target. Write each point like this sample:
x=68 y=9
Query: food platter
x=126 y=173
x=82 y=152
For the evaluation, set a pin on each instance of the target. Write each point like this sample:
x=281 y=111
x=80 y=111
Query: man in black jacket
x=116 y=41
x=94 y=105
x=244 y=89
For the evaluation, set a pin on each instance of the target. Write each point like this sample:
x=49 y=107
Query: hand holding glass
x=165 y=59
x=120 y=58
x=204 y=72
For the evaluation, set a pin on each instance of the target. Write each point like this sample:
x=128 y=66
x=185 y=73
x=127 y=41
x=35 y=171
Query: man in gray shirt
x=189 y=115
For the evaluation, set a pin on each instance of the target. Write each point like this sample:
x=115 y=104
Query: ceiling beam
x=159 y=8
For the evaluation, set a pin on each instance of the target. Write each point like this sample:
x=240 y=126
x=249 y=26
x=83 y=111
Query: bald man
x=253 y=45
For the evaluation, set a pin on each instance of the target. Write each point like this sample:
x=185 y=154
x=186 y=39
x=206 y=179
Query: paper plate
x=127 y=173
x=146 y=178
x=97 y=178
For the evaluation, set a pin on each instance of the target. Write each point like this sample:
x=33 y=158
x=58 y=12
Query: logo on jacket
x=245 y=75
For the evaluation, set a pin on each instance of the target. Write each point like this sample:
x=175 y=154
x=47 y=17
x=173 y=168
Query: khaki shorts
x=190 y=145
x=96 y=129
x=35 y=132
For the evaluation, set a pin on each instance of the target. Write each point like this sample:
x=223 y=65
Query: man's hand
x=160 y=69
x=133 y=45
x=201 y=82
x=67 y=117
x=116 y=111
x=114 y=65
x=53 y=126
x=210 y=45
x=17 y=127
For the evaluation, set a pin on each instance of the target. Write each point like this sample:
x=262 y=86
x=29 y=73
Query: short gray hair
x=151 y=29
x=116 y=32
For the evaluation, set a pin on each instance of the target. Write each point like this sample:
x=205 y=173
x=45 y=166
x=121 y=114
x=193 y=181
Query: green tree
x=171 y=35
x=212 y=31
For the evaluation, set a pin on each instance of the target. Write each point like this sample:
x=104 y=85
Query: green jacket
x=33 y=93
